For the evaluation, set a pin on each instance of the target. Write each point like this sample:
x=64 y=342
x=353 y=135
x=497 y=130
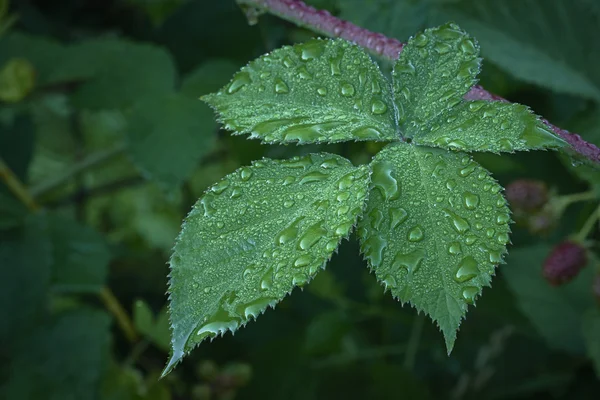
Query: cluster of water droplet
x=259 y=232
x=448 y=213
x=422 y=92
x=312 y=92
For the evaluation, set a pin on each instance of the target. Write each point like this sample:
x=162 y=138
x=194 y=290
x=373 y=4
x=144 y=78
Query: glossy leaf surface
x=434 y=71
x=254 y=236
x=434 y=229
x=318 y=91
x=488 y=126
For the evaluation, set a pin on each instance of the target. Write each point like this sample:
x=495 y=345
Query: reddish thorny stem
x=323 y=22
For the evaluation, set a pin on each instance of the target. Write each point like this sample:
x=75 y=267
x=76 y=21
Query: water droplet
x=322 y=91
x=467 y=270
x=471 y=200
x=343 y=229
x=366 y=132
x=460 y=224
x=346 y=181
x=469 y=293
x=502 y=238
x=383 y=180
x=454 y=248
x=411 y=261
x=303 y=72
x=245 y=173
x=281 y=87
x=373 y=249
x=287 y=62
x=347 y=90
x=288 y=180
x=468 y=170
x=376 y=217
x=450 y=184
x=207 y=290
x=266 y=282
x=467 y=46
x=438 y=169
x=206 y=203
x=490 y=233
x=314 y=176
x=288 y=203
x=420 y=40
x=375 y=86
x=240 y=80
x=405 y=67
x=289 y=233
x=311 y=50
x=254 y=308
x=302 y=261
x=236 y=193
x=335 y=65
x=448 y=33
x=397 y=216
x=343 y=210
x=343 y=196
x=249 y=272
x=332 y=245
x=220 y=225
x=470 y=239
x=220 y=187
x=495 y=257
x=415 y=234
x=378 y=107
x=502 y=219
x=389 y=281
x=442 y=48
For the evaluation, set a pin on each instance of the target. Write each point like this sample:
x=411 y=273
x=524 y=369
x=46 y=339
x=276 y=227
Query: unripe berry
x=564 y=262
x=527 y=194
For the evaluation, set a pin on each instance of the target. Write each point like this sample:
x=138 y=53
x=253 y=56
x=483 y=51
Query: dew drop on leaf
x=460 y=224
x=383 y=180
x=467 y=269
x=415 y=234
x=347 y=90
x=281 y=87
x=469 y=293
x=378 y=107
x=240 y=80
x=411 y=261
x=471 y=200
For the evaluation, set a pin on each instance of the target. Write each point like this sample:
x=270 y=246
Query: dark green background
x=126 y=74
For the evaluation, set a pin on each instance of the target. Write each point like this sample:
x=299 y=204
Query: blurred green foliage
x=107 y=136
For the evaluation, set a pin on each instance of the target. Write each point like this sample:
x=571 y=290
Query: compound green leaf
x=434 y=71
x=318 y=91
x=488 y=126
x=434 y=229
x=168 y=135
x=591 y=334
x=253 y=237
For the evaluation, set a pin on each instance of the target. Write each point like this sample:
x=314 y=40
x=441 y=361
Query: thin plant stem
x=587 y=226
x=113 y=305
x=16 y=186
x=106 y=295
x=90 y=161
